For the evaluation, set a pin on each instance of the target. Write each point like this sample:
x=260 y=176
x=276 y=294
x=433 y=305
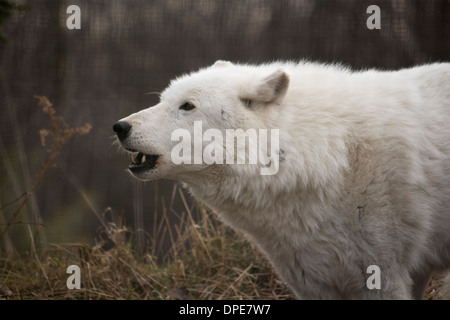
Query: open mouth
x=142 y=162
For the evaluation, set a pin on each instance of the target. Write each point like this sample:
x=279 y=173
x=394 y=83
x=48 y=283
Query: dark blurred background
x=128 y=48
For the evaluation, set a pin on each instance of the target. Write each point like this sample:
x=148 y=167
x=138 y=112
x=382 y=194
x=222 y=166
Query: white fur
x=364 y=177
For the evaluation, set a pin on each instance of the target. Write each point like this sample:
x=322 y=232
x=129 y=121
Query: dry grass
x=208 y=261
x=59 y=134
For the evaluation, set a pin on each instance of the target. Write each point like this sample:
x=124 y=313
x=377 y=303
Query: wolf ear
x=271 y=89
x=222 y=63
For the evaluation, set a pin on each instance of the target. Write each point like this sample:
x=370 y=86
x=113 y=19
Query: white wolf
x=363 y=177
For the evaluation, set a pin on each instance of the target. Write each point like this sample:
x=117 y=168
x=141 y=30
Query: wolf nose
x=122 y=129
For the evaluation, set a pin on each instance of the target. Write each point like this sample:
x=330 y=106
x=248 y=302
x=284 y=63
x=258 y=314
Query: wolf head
x=191 y=129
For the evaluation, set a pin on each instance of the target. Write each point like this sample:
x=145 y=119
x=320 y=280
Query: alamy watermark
x=74 y=20
x=374 y=280
x=374 y=20
x=73 y=281
x=237 y=147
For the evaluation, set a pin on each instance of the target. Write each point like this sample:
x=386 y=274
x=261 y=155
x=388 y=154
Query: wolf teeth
x=136 y=158
x=133 y=159
x=143 y=162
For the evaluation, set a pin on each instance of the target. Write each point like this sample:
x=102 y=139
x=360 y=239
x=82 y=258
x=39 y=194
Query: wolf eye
x=247 y=103
x=187 y=106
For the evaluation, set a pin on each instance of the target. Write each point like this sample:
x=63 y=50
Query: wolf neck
x=259 y=205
